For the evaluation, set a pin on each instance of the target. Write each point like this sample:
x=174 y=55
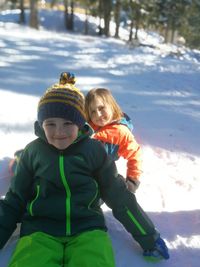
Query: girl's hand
x=132 y=184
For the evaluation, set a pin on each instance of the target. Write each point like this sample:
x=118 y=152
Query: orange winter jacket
x=120 y=142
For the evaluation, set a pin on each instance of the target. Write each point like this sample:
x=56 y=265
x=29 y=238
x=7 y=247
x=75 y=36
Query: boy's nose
x=59 y=130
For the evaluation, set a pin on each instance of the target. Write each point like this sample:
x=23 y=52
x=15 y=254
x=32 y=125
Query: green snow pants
x=88 y=249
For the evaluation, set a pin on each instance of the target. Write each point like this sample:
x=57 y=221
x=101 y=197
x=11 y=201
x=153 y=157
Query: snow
x=156 y=84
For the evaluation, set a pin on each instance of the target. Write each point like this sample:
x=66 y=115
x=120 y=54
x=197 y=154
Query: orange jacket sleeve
x=121 y=137
x=130 y=150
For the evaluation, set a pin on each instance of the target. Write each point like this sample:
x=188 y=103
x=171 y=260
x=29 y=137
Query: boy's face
x=59 y=132
x=100 y=113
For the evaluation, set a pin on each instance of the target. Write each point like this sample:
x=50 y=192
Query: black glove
x=132 y=184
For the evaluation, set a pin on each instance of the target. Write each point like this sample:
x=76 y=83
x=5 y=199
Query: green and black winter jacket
x=58 y=192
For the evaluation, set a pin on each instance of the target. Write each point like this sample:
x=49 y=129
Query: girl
x=113 y=128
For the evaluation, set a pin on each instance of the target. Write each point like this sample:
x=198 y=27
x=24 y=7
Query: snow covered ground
x=159 y=89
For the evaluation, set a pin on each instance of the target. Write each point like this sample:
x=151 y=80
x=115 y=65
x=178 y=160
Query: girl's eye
x=101 y=108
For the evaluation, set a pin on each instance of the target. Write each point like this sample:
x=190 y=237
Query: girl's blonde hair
x=107 y=98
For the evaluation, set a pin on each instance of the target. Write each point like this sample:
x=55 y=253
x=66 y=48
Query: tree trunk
x=86 y=21
x=117 y=17
x=167 y=32
x=173 y=29
x=107 y=8
x=71 y=20
x=69 y=16
x=34 y=14
x=137 y=22
x=53 y=2
x=100 y=12
x=131 y=30
x=22 y=14
x=66 y=13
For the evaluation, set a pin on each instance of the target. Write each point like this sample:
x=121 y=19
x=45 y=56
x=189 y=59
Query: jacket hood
x=126 y=120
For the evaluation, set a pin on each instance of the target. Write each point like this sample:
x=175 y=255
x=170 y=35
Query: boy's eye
x=49 y=124
x=68 y=123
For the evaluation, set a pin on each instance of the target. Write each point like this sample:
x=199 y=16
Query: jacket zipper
x=68 y=194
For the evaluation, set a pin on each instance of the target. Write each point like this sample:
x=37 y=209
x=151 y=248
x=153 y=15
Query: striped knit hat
x=67 y=80
x=62 y=103
x=67 y=77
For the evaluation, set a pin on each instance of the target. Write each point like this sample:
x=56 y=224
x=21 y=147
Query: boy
x=55 y=194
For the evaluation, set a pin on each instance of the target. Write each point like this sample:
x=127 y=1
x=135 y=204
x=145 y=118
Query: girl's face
x=101 y=113
x=59 y=132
